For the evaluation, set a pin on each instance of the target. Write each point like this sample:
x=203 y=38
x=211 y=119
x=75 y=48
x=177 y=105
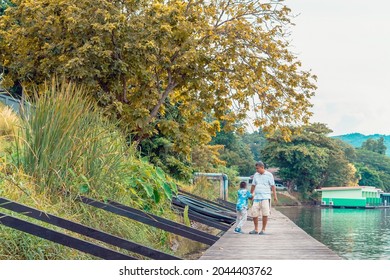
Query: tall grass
x=9 y=125
x=67 y=144
x=71 y=148
x=9 y=121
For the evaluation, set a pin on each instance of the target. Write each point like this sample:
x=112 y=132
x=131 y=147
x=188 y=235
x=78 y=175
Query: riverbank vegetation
x=144 y=94
x=311 y=159
x=67 y=148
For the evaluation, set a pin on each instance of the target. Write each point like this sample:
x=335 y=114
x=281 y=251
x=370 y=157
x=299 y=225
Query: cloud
x=348 y=50
x=353 y=116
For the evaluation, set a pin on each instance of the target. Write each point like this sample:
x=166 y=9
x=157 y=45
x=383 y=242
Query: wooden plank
x=283 y=241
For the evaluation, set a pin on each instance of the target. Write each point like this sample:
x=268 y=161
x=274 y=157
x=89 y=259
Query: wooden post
x=221 y=188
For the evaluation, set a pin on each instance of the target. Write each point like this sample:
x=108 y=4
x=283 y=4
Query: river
x=355 y=234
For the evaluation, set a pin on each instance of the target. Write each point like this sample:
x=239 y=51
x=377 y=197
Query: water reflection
x=352 y=233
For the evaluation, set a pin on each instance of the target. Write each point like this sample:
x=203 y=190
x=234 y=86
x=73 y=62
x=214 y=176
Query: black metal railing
x=152 y=220
x=77 y=228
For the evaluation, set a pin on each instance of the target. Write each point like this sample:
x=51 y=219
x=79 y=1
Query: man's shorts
x=260 y=208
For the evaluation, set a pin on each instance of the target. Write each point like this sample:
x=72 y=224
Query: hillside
x=356 y=139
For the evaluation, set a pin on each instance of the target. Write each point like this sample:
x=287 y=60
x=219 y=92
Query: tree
x=377 y=164
x=77 y=39
x=256 y=141
x=348 y=149
x=141 y=57
x=207 y=158
x=4 y=4
x=310 y=159
x=236 y=153
x=369 y=177
x=377 y=146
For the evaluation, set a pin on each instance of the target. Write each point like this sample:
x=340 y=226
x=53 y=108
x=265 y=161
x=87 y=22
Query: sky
x=346 y=43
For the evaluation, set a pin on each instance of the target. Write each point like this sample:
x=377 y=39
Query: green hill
x=357 y=139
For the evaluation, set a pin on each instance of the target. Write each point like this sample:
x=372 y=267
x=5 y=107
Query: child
x=242 y=206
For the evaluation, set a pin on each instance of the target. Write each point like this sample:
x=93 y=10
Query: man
x=263 y=182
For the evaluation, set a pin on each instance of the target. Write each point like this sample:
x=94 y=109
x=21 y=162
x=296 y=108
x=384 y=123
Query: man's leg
x=265 y=219
x=265 y=210
x=255 y=215
x=256 y=222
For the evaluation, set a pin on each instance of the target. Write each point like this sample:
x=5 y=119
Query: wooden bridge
x=283 y=241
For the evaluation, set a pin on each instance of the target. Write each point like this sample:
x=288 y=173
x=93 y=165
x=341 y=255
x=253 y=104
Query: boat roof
x=347 y=188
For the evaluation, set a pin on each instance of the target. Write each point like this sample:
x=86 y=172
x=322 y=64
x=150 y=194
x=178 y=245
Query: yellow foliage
x=199 y=57
x=206 y=158
x=353 y=175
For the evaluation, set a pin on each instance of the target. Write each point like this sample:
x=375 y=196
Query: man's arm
x=253 y=184
x=273 y=187
x=251 y=192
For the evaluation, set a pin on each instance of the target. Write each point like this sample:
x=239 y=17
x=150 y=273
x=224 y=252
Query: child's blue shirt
x=242 y=199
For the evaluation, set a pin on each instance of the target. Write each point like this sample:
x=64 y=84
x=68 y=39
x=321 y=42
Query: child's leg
x=238 y=219
x=243 y=216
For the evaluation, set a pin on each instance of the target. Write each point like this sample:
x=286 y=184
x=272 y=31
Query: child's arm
x=250 y=196
x=238 y=195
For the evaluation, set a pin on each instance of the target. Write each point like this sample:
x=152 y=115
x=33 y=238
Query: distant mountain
x=357 y=139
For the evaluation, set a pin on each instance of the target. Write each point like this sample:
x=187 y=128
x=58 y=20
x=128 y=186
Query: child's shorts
x=260 y=208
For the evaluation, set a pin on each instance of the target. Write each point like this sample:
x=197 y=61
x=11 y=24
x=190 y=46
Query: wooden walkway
x=283 y=241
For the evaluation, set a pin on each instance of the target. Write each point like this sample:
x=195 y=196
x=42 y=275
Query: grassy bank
x=67 y=148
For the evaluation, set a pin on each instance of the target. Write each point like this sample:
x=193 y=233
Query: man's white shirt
x=263 y=183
